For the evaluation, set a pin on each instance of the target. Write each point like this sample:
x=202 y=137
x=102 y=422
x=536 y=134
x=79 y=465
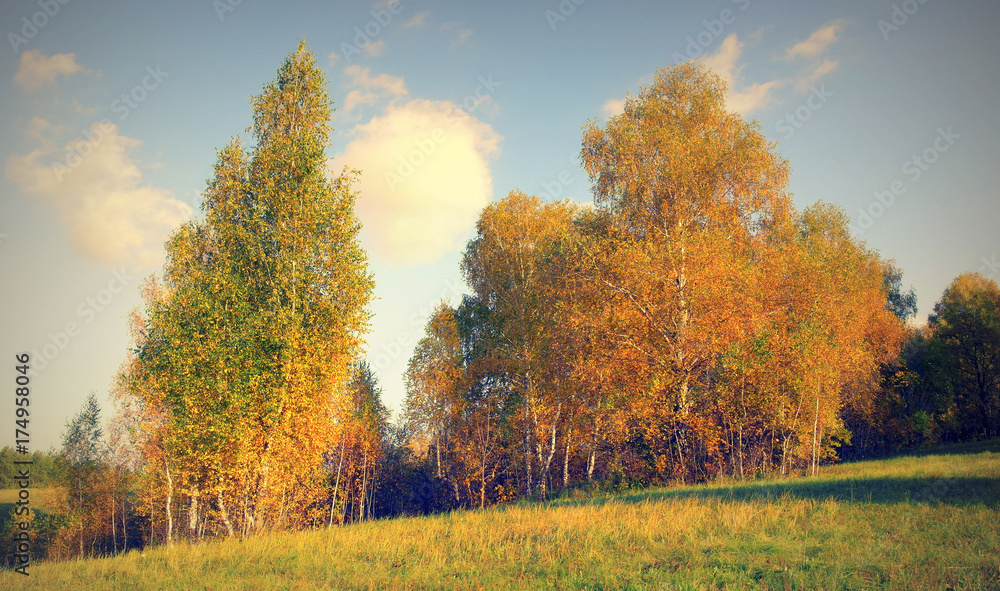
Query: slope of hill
x=925 y=521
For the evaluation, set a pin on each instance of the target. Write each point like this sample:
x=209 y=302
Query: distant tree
x=83 y=451
x=435 y=384
x=357 y=462
x=7 y=470
x=903 y=304
x=965 y=352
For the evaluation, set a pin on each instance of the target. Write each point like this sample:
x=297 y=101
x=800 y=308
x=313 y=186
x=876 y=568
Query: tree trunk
x=336 y=487
x=743 y=406
x=223 y=513
x=193 y=514
x=437 y=451
x=364 y=487
x=683 y=322
x=592 y=457
x=543 y=475
x=114 y=526
x=79 y=487
x=788 y=435
x=528 y=485
x=170 y=509
x=569 y=435
x=815 y=428
x=124 y=528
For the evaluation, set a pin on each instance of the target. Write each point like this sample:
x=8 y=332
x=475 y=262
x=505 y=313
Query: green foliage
x=44 y=528
x=966 y=350
x=46 y=467
x=82 y=444
x=902 y=304
x=945 y=386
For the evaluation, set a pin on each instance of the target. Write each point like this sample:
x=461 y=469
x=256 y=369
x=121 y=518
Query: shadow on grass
x=957 y=491
x=974 y=447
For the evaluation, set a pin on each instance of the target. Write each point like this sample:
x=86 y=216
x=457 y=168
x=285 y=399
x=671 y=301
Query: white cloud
x=111 y=217
x=723 y=61
x=332 y=59
x=43 y=131
x=425 y=178
x=818 y=42
x=417 y=20
x=362 y=77
x=485 y=106
x=462 y=34
x=375 y=48
x=742 y=99
x=824 y=68
x=36 y=70
x=613 y=107
x=369 y=89
x=359 y=97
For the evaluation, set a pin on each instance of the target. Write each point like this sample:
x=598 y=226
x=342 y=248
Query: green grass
x=914 y=522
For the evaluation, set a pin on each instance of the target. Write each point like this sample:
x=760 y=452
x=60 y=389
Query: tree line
x=691 y=323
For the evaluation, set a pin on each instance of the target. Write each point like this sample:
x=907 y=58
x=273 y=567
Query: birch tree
x=259 y=317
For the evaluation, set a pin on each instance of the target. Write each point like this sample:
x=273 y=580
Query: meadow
x=44 y=500
x=926 y=520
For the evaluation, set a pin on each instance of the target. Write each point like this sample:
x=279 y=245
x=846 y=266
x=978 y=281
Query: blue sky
x=112 y=113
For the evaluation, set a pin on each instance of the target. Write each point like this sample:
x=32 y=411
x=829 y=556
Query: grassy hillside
x=926 y=521
x=42 y=500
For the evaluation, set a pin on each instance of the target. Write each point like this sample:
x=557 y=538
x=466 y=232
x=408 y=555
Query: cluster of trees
x=45 y=467
x=945 y=385
x=690 y=324
x=86 y=505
